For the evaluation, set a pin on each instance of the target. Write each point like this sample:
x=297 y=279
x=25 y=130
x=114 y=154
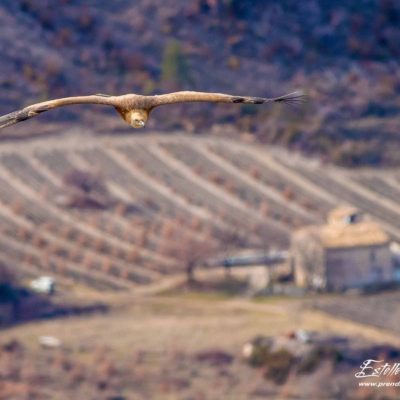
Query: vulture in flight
x=135 y=109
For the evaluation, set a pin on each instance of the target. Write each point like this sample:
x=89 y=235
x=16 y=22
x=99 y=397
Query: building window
x=352 y=218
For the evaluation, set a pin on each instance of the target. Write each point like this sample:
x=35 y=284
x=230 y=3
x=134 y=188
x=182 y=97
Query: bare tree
x=85 y=189
x=6 y=274
x=190 y=251
x=231 y=241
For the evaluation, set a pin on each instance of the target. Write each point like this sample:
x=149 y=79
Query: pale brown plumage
x=135 y=109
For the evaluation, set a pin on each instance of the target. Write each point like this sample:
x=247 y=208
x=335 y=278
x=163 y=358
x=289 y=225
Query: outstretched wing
x=38 y=108
x=188 y=97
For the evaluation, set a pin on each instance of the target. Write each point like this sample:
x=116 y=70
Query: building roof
x=340 y=214
x=346 y=235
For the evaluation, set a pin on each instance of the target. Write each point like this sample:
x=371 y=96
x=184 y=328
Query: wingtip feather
x=299 y=96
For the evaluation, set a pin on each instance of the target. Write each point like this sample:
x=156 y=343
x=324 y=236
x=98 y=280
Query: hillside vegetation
x=127 y=212
x=343 y=53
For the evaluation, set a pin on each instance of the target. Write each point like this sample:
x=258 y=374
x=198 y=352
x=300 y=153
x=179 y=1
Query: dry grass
x=154 y=343
x=191 y=322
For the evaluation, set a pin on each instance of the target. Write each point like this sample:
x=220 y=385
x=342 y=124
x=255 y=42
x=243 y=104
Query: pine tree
x=175 y=68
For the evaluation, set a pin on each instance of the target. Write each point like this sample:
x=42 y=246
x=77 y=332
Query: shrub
x=278 y=365
x=255 y=172
x=312 y=359
x=260 y=349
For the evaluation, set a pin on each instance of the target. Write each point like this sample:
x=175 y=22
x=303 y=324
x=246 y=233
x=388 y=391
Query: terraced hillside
x=176 y=200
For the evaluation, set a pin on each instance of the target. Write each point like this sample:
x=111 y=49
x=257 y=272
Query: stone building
x=349 y=251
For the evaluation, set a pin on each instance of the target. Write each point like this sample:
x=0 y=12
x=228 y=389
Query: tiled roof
x=346 y=235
